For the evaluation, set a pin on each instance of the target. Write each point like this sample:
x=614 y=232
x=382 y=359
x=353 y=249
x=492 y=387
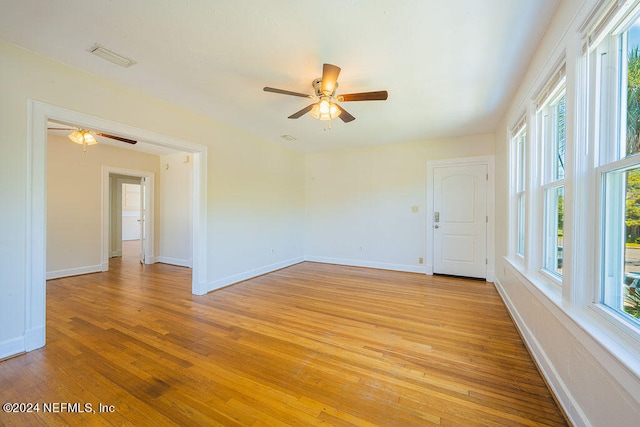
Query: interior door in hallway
x=144 y=197
x=460 y=220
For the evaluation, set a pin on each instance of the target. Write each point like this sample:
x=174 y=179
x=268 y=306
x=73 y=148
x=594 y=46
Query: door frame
x=489 y=161
x=107 y=212
x=38 y=113
x=115 y=212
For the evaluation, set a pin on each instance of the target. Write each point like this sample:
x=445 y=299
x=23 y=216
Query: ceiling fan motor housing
x=317 y=87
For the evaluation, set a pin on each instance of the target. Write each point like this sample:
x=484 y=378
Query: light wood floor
x=310 y=344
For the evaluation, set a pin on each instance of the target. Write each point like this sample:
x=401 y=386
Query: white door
x=460 y=220
x=143 y=219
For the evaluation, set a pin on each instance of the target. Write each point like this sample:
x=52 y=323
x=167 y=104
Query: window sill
x=541 y=281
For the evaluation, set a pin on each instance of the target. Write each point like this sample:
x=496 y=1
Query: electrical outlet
x=415 y=209
x=420 y=260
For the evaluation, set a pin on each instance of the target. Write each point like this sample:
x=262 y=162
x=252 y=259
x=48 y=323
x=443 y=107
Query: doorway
x=39 y=113
x=460 y=219
x=128 y=216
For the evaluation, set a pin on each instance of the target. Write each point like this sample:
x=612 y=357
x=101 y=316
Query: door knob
x=436 y=226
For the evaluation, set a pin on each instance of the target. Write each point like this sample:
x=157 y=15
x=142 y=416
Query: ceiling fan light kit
x=83 y=137
x=326 y=108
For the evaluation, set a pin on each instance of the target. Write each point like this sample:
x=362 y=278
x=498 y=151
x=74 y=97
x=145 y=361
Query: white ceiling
x=450 y=67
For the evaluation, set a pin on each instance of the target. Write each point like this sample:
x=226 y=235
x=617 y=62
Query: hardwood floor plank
x=307 y=345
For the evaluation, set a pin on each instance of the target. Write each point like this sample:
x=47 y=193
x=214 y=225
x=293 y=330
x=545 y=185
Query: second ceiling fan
x=326 y=108
x=85 y=137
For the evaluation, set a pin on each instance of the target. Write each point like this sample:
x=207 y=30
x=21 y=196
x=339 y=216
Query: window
x=552 y=140
x=618 y=64
x=520 y=150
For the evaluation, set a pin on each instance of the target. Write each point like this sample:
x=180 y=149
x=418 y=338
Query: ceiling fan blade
x=302 y=112
x=286 y=92
x=118 y=138
x=380 y=95
x=330 y=75
x=345 y=116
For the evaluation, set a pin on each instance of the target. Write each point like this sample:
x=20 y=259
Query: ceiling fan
x=326 y=108
x=85 y=137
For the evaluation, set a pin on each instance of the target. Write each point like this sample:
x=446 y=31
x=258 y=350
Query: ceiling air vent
x=111 y=56
x=288 y=137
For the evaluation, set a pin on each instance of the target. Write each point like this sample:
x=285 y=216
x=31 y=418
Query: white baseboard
x=491 y=276
x=11 y=347
x=230 y=280
x=564 y=397
x=75 y=271
x=114 y=254
x=367 y=264
x=34 y=338
x=175 y=261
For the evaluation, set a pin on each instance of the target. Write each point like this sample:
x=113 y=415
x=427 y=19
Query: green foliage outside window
x=633 y=101
x=632 y=200
x=632 y=301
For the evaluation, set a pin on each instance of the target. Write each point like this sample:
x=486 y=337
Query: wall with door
x=74 y=201
x=367 y=206
x=176 y=235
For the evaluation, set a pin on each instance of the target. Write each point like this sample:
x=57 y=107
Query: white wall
x=255 y=189
x=359 y=202
x=175 y=203
x=587 y=374
x=256 y=208
x=74 y=201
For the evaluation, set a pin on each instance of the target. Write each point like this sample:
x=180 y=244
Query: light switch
x=415 y=209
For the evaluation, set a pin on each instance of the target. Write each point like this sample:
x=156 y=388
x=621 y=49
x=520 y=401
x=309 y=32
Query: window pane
x=621 y=281
x=521 y=216
x=560 y=128
x=554 y=230
x=521 y=143
x=633 y=89
x=631 y=298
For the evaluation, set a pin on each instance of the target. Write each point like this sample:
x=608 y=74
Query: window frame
x=547 y=148
x=589 y=120
x=519 y=145
x=610 y=164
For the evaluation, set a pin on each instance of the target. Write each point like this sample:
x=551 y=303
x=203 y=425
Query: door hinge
x=487 y=177
x=486 y=261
